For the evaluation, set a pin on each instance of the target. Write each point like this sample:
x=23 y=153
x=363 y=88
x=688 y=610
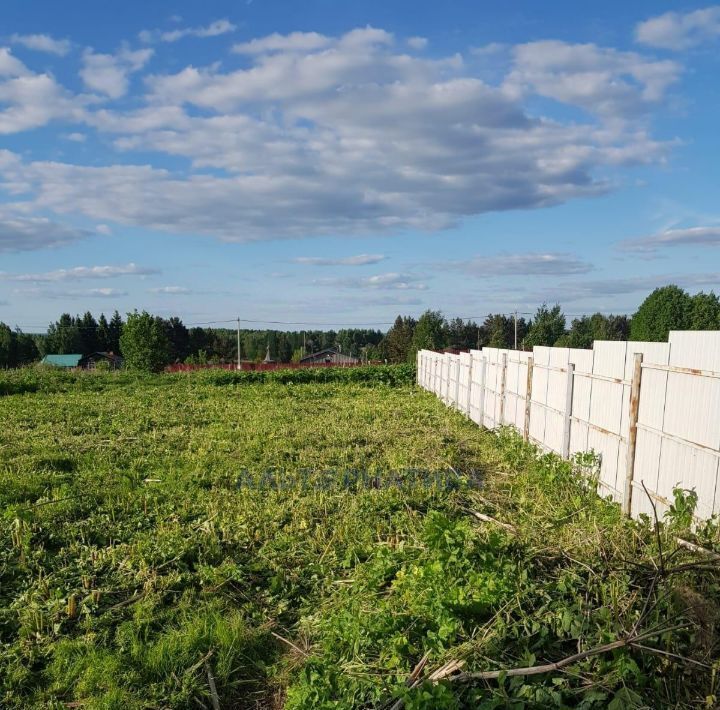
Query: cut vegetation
x=325 y=539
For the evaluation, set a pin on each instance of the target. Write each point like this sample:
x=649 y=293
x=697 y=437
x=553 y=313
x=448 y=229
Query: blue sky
x=322 y=162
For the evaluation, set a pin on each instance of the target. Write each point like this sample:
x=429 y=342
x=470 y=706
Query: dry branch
x=697 y=548
x=568 y=661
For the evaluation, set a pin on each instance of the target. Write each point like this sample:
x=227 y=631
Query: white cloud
x=11 y=66
x=73 y=293
x=417 y=42
x=75 y=137
x=391 y=281
x=358 y=260
x=32 y=100
x=601 y=80
x=345 y=135
x=530 y=264
x=81 y=273
x=690 y=236
x=28 y=233
x=43 y=43
x=172 y=290
x=293 y=42
x=108 y=73
x=680 y=30
x=214 y=29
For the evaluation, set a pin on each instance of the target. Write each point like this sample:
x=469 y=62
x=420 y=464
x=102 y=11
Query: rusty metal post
x=632 y=434
x=503 y=379
x=568 y=410
x=528 y=399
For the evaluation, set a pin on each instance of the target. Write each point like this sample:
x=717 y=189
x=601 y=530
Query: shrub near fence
x=651 y=411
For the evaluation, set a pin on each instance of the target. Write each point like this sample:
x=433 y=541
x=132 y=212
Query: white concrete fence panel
x=651 y=411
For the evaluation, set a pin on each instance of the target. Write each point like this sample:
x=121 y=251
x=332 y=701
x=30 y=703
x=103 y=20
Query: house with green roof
x=86 y=362
x=62 y=360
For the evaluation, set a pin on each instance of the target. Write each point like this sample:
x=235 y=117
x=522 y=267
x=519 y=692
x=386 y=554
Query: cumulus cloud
x=214 y=29
x=530 y=264
x=598 y=79
x=23 y=233
x=293 y=42
x=43 y=43
x=689 y=236
x=358 y=260
x=594 y=289
x=10 y=65
x=391 y=281
x=417 y=42
x=350 y=134
x=172 y=290
x=108 y=73
x=81 y=273
x=31 y=100
x=73 y=293
x=680 y=30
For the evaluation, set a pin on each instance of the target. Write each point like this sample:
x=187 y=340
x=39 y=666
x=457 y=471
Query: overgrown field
x=212 y=539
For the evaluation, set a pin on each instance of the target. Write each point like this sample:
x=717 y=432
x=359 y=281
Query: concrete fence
x=651 y=411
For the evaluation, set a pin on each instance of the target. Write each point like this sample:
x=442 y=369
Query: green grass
x=307 y=542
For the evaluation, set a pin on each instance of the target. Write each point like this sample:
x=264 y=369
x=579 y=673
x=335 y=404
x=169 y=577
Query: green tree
x=144 y=343
x=547 y=327
x=665 y=309
x=586 y=330
x=63 y=336
x=8 y=352
x=103 y=334
x=705 y=312
x=88 y=327
x=430 y=333
x=396 y=344
x=178 y=337
x=115 y=328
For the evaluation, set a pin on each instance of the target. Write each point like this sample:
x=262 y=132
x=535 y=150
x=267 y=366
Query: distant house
x=329 y=355
x=85 y=362
x=90 y=362
x=62 y=360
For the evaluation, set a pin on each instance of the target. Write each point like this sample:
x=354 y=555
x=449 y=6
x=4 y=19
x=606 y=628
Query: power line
x=511 y=314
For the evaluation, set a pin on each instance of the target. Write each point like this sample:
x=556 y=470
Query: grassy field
x=304 y=540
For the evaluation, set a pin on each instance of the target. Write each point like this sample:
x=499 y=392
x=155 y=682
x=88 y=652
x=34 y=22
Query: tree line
x=665 y=309
x=151 y=342
x=174 y=342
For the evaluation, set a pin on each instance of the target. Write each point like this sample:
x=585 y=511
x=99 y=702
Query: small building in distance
x=66 y=361
x=84 y=362
x=91 y=361
x=330 y=355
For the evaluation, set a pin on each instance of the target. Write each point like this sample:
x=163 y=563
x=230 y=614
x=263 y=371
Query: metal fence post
x=503 y=379
x=469 y=387
x=632 y=434
x=568 y=410
x=528 y=399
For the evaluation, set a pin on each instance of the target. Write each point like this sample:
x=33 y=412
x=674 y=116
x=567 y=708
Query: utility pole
x=239 y=365
x=515 y=330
